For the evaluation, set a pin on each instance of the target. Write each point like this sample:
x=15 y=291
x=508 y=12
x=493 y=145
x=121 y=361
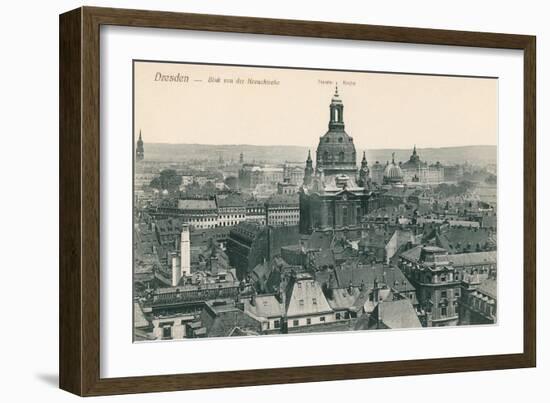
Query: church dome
x=336 y=150
x=393 y=173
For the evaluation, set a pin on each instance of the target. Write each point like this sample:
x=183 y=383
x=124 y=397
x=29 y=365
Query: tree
x=168 y=179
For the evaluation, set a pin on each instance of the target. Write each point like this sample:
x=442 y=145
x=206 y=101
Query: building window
x=322 y=319
x=308 y=321
x=444 y=294
x=277 y=324
x=167 y=332
x=314 y=301
x=338 y=316
x=443 y=311
x=295 y=322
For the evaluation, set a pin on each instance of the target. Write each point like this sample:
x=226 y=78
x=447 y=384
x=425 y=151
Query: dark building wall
x=245 y=252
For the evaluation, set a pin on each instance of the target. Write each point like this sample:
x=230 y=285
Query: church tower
x=336 y=152
x=364 y=172
x=140 y=153
x=308 y=172
x=336 y=112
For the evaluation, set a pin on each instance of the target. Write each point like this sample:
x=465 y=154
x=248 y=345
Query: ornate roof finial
x=336 y=91
x=393 y=158
x=309 y=155
x=364 y=156
x=414 y=150
x=140 y=134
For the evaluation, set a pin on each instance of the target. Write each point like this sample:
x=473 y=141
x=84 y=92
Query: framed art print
x=250 y=201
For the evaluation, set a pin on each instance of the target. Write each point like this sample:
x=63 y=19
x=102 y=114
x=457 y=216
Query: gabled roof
x=264 y=306
x=305 y=297
x=412 y=254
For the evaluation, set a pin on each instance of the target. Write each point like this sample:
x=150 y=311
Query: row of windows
x=297 y=322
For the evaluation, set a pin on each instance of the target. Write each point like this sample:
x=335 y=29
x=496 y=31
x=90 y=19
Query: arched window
x=341 y=156
x=325 y=156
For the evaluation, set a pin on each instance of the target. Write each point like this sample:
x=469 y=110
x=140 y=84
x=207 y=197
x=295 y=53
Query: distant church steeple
x=140 y=152
x=308 y=172
x=364 y=172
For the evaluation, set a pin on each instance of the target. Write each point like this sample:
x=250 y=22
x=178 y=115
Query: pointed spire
x=140 y=134
x=393 y=158
x=364 y=156
x=414 y=150
x=336 y=91
x=308 y=155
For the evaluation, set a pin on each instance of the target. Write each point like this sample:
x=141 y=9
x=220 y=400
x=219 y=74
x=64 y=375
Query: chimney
x=176 y=273
x=185 y=252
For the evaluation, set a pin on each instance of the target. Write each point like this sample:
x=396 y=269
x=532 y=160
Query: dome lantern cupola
x=336 y=152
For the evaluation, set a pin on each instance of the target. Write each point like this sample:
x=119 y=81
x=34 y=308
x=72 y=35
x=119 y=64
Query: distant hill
x=280 y=154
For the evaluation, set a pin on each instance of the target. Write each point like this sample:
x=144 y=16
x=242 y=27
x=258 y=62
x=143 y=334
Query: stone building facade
x=335 y=194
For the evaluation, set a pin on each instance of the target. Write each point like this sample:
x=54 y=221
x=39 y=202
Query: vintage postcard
x=271 y=200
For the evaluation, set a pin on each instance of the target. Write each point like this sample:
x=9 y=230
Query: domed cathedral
x=335 y=195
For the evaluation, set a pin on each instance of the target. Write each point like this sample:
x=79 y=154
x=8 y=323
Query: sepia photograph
x=270 y=200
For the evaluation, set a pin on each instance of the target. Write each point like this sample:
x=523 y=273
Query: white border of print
x=120 y=357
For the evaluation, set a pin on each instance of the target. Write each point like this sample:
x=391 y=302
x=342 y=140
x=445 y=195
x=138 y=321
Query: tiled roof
x=412 y=254
x=264 y=306
x=344 y=298
x=196 y=204
x=222 y=322
x=139 y=316
x=474 y=258
x=283 y=200
x=460 y=239
x=398 y=314
x=306 y=297
x=488 y=287
x=230 y=200
x=366 y=275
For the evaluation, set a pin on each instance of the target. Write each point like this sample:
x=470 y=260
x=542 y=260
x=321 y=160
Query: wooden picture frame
x=79 y=280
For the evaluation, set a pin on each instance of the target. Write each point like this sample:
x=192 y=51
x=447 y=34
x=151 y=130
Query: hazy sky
x=380 y=110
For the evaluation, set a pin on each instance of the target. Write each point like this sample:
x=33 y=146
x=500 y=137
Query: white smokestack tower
x=176 y=269
x=185 y=251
